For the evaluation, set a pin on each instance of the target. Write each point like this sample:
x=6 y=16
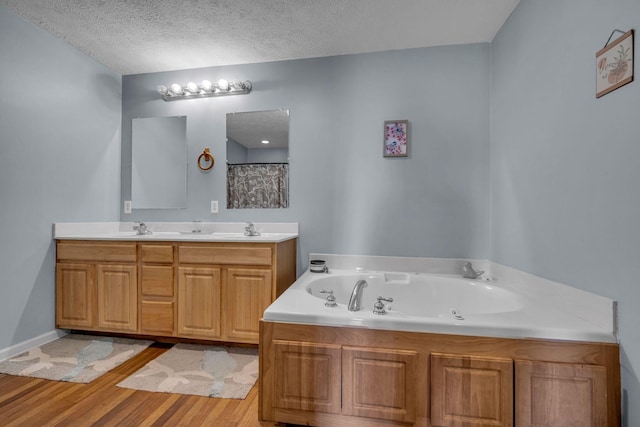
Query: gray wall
x=565 y=166
x=59 y=161
x=345 y=195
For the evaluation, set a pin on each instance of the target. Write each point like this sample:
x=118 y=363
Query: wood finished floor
x=32 y=402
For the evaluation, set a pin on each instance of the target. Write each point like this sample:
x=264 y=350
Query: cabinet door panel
x=560 y=395
x=117 y=297
x=379 y=383
x=74 y=295
x=468 y=391
x=199 y=302
x=307 y=376
x=248 y=294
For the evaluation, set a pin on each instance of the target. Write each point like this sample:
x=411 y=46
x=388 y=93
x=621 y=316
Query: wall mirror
x=258 y=159
x=159 y=163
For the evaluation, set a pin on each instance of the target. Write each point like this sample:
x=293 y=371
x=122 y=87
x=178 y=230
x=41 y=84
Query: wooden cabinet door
x=248 y=294
x=117 y=297
x=379 y=383
x=74 y=295
x=469 y=391
x=199 y=302
x=560 y=395
x=306 y=376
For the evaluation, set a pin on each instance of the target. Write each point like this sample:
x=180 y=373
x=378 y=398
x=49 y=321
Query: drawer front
x=162 y=253
x=156 y=317
x=157 y=281
x=93 y=251
x=192 y=254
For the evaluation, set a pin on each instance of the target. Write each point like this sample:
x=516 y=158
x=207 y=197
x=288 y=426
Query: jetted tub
x=441 y=303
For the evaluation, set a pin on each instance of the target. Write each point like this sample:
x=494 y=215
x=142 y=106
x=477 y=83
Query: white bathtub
x=444 y=303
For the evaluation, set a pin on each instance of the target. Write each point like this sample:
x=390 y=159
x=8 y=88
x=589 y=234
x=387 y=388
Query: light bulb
x=162 y=89
x=192 y=87
x=223 y=84
x=177 y=89
x=264 y=141
x=206 y=85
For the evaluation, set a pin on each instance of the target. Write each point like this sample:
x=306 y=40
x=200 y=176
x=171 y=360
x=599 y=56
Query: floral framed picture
x=396 y=138
x=614 y=64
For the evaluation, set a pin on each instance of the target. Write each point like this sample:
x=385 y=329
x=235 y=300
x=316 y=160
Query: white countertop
x=273 y=232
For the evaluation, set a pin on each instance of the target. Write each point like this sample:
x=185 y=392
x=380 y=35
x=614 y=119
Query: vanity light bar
x=205 y=89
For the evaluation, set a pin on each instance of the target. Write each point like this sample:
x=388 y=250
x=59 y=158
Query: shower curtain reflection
x=257 y=185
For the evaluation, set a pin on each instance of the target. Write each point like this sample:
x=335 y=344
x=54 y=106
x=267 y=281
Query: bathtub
x=445 y=302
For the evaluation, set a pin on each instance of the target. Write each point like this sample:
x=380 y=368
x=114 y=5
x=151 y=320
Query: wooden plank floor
x=32 y=402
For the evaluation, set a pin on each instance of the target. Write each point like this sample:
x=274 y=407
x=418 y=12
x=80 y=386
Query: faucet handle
x=378 y=307
x=331 y=300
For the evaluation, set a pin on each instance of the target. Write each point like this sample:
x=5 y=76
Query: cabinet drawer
x=156 y=253
x=90 y=251
x=157 y=281
x=244 y=255
x=156 y=317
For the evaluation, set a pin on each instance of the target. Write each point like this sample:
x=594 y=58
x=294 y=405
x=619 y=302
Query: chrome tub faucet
x=356 y=295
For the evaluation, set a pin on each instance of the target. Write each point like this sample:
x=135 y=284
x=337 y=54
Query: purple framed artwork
x=396 y=138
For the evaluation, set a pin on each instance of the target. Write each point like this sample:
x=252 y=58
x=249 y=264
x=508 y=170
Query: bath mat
x=213 y=371
x=74 y=358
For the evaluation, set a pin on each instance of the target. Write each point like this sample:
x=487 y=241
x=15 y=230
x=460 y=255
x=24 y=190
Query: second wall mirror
x=258 y=159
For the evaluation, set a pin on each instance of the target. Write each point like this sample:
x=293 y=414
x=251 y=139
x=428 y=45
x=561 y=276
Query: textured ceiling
x=141 y=36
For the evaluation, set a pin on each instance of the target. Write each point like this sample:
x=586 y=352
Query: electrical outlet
x=127 y=206
x=214 y=206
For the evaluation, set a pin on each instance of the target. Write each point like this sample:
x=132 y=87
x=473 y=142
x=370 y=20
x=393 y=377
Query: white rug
x=213 y=371
x=74 y=358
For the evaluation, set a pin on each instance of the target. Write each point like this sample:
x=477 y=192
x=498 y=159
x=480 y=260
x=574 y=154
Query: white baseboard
x=16 y=349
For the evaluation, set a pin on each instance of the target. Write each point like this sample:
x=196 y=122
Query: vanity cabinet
x=202 y=290
x=96 y=286
x=321 y=375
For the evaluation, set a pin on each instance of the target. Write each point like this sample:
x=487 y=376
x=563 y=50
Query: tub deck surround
x=524 y=351
x=533 y=307
x=176 y=231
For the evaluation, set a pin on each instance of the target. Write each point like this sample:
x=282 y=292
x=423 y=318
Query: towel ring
x=207 y=157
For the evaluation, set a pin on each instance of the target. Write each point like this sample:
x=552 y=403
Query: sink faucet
x=250 y=230
x=356 y=295
x=142 y=229
x=469 y=273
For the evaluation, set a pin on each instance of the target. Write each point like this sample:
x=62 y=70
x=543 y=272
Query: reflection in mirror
x=258 y=159
x=159 y=163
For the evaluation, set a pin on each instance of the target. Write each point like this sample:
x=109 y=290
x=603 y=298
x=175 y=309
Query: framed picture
x=396 y=138
x=614 y=64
